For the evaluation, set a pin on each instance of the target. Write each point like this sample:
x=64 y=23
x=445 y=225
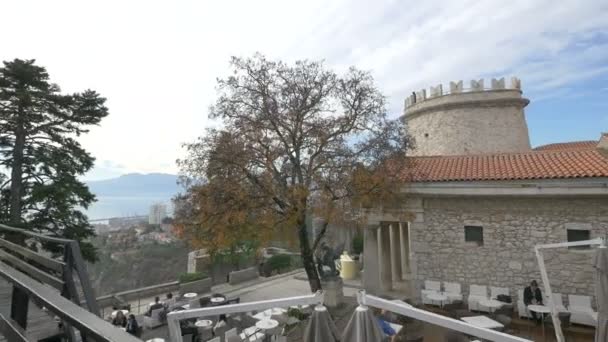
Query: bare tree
x=296 y=140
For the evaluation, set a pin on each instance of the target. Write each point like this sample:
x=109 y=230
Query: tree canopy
x=295 y=140
x=38 y=147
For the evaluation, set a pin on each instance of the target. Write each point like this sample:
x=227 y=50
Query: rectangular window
x=575 y=235
x=473 y=234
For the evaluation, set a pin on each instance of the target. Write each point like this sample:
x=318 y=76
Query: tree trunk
x=307 y=257
x=17 y=174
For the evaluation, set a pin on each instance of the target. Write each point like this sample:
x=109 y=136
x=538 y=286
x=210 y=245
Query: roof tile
x=546 y=163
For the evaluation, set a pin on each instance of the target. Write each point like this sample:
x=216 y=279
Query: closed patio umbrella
x=600 y=263
x=320 y=328
x=362 y=327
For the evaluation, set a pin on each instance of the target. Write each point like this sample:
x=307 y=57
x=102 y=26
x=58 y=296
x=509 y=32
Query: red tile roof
x=542 y=164
x=575 y=145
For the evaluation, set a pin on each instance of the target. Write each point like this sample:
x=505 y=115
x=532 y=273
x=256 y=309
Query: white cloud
x=156 y=62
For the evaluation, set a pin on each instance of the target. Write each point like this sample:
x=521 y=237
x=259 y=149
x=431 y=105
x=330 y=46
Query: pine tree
x=40 y=154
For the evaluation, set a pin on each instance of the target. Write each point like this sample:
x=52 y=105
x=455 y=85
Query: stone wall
x=511 y=228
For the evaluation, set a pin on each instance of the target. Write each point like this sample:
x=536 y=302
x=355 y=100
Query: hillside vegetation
x=137 y=266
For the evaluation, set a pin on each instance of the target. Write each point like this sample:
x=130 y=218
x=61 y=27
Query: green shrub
x=279 y=262
x=190 y=277
x=358 y=244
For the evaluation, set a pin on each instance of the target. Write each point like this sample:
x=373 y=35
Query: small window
x=473 y=234
x=579 y=235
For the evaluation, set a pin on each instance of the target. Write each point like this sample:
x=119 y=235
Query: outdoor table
x=491 y=304
x=204 y=323
x=437 y=297
x=252 y=334
x=266 y=314
x=267 y=324
x=190 y=295
x=125 y=312
x=217 y=300
x=483 y=322
x=542 y=310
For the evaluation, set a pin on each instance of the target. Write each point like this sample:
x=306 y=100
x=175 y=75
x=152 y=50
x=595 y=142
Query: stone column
x=405 y=249
x=371 y=271
x=396 y=246
x=384 y=251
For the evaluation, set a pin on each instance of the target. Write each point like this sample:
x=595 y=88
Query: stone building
x=478 y=198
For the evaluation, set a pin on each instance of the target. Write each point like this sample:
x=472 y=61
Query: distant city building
x=158 y=212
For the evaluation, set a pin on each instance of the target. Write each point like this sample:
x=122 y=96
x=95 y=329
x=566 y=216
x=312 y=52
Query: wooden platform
x=40 y=323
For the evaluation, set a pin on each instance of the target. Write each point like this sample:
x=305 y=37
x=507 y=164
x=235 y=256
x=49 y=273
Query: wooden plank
x=71 y=313
x=36 y=235
x=31 y=270
x=52 y=264
x=11 y=330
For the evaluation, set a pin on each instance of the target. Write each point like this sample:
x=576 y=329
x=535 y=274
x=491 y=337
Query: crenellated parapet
x=458 y=88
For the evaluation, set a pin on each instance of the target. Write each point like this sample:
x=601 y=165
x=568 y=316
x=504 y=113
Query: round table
x=218 y=300
x=189 y=295
x=491 y=304
x=203 y=323
x=437 y=297
x=125 y=312
x=542 y=310
x=266 y=324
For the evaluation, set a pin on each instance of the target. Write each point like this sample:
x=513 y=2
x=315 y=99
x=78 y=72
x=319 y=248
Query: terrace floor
x=294 y=285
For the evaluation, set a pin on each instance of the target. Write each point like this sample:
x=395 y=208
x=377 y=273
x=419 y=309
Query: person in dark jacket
x=153 y=306
x=533 y=296
x=132 y=326
x=119 y=319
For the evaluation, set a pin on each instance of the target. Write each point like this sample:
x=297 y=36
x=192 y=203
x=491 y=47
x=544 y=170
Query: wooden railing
x=50 y=282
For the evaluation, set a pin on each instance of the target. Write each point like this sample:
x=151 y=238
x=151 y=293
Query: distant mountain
x=136 y=184
x=131 y=194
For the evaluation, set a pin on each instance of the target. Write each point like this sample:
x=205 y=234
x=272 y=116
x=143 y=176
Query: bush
x=190 y=277
x=279 y=262
x=358 y=244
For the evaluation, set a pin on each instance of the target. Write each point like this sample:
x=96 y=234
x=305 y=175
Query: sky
x=157 y=61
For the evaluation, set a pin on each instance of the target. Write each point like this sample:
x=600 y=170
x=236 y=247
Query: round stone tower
x=468 y=121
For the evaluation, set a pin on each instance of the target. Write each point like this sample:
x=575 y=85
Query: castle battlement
x=458 y=88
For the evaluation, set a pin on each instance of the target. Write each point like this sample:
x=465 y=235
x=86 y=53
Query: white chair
x=153 y=320
x=430 y=286
x=557 y=301
x=581 y=310
x=453 y=291
x=476 y=293
x=522 y=310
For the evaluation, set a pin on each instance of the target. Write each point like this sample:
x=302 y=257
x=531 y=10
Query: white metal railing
x=173 y=318
x=545 y=277
x=433 y=318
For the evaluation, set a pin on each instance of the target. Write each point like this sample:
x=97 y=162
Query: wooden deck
x=40 y=323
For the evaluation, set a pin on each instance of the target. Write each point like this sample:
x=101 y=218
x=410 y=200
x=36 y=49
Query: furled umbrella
x=320 y=327
x=600 y=263
x=362 y=327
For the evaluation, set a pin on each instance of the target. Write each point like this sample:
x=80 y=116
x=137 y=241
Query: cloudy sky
x=157 y=62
